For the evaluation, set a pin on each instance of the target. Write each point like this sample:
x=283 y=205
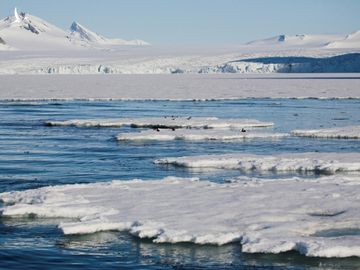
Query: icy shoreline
x=250 y=212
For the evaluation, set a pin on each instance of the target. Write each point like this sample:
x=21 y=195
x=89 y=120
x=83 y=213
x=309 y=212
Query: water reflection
x=41 y=242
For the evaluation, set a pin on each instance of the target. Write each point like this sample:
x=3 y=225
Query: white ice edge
x=196 y=135
x=263 y=216
x=164 y=122
x=327 y=163
x=348 y=132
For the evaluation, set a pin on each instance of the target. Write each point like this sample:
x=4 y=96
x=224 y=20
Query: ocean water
x=33 y=155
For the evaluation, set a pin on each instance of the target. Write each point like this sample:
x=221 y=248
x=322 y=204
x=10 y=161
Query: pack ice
x=327 y=163
x=318 y=217
x=164 y=122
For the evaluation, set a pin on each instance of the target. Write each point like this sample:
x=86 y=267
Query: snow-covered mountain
x=26 y=32
x=4 y=46
x=23 y=31
x=81 y=35
x=292 y=41
x=349 y=42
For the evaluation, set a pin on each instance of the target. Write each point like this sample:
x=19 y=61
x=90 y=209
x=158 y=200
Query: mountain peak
x=75 y=26
x=85 y=37
x=83 y=34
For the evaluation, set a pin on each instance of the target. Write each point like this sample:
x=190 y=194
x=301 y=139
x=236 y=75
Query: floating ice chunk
x=165 y=122
x=196 y=134
x=276 y=216
x=349 y=132
x=328 y=163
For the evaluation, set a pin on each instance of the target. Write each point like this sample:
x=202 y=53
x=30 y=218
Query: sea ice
x=269 y=216
x=328 y=163
x=164 y=122
x=179 y=87
x=196 y=134
x=349 y=132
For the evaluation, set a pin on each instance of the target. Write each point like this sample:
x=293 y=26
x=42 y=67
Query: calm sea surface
x=33 y=155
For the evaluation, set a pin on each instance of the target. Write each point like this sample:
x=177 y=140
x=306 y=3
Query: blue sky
x=196 y=21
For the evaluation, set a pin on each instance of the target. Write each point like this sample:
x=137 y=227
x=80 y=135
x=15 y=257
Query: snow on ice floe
x=349 y=132
x=164 y=122
x=327 y=163
x=196 y=135
x=270 y=216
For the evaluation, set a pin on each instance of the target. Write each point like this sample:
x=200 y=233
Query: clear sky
x=196 y=21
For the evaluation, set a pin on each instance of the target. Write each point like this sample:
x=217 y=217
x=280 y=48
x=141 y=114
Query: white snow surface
x=165 y=122
x=350 y=41
x=348 y=132
x=327 y=163
x=196 y=135
x=300 y=40
x=269 y=216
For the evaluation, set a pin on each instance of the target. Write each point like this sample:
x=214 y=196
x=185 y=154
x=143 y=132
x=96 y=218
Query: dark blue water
x=33 y=155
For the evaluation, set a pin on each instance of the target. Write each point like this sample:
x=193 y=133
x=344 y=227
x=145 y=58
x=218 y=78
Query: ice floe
x=348 y=132
x=327 y=163
x=196 y=135
x=164 y=122
x=270 y=216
